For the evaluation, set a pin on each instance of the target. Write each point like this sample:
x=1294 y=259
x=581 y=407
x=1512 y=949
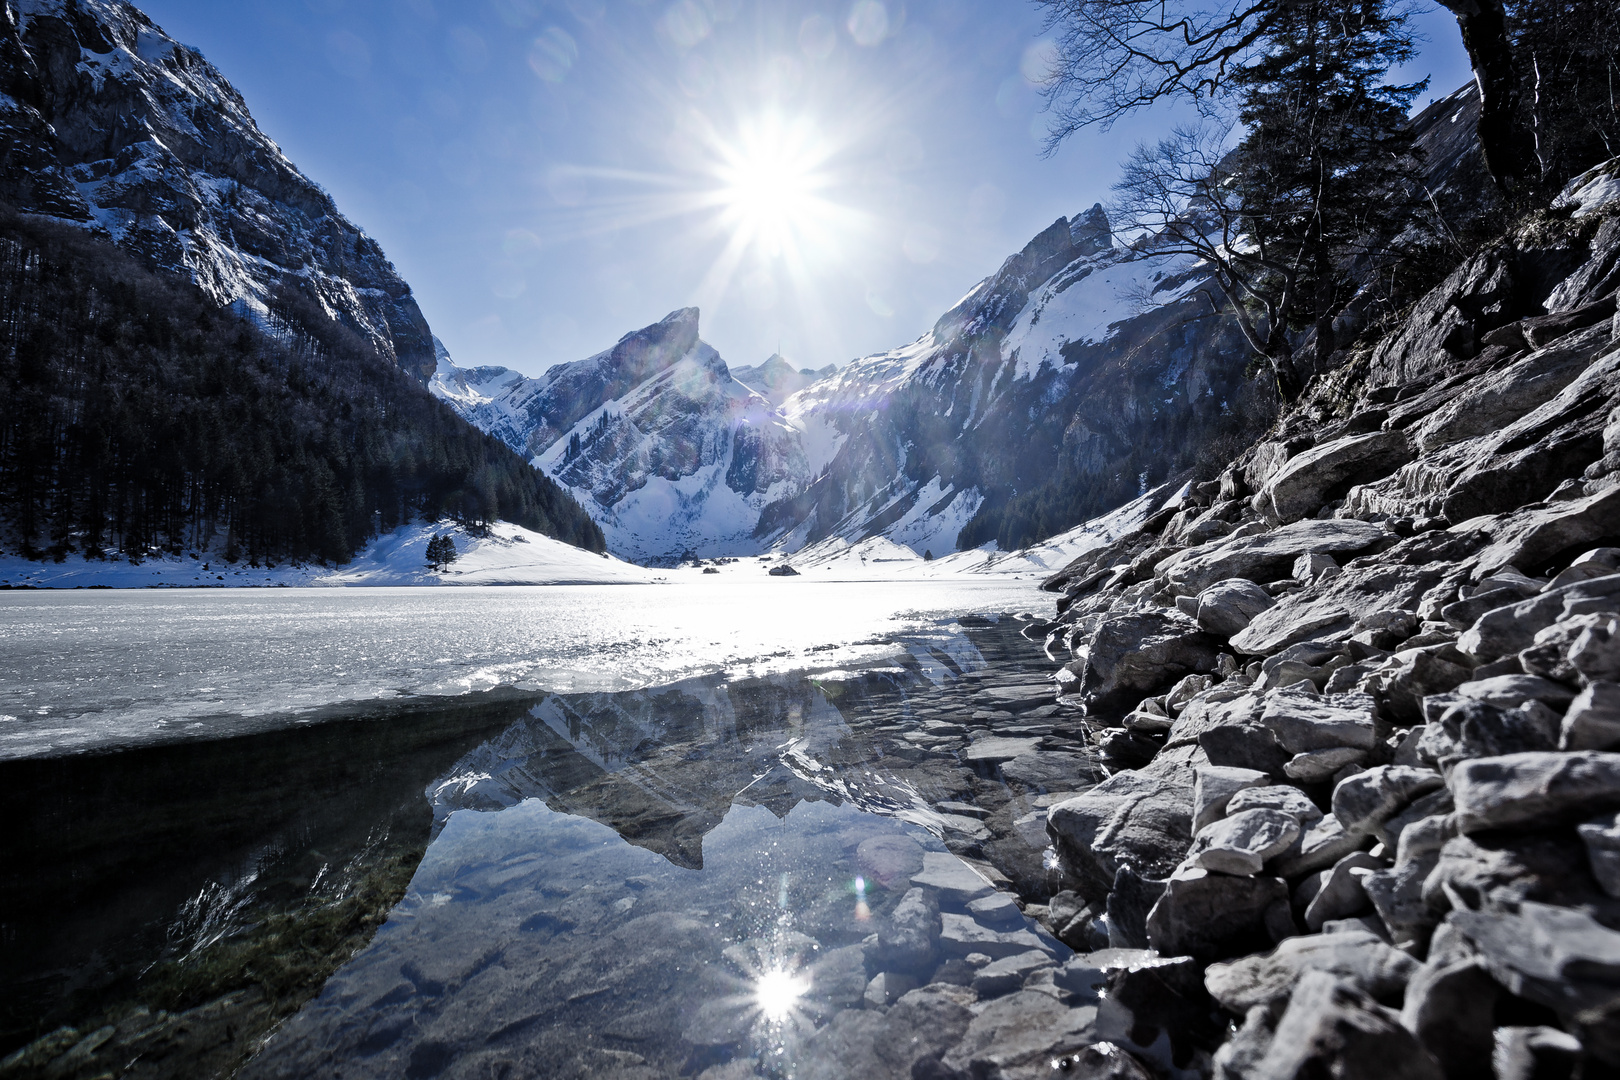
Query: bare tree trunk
x=1507 y=146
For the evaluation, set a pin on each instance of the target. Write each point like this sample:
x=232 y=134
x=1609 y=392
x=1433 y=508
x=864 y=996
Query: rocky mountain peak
x=651 y=349
x=1091 y=232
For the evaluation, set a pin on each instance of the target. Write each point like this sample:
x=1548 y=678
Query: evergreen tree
x=441 y=552
x=1323 y=175
x=1319 y=183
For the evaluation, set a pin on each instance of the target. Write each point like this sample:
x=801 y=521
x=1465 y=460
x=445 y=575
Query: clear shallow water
x=686 y=881
x=92 y=670
x=599 y=884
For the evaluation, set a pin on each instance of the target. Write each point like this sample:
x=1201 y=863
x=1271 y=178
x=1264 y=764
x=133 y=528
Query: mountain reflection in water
x=645 y=883
x=676 y=880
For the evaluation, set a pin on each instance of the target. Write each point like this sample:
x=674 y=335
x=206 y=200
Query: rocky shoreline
x=1362 y=693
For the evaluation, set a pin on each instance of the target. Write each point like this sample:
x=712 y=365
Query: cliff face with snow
x=108 y=122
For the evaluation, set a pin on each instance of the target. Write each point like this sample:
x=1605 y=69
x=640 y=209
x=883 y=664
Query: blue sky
x=823 y=178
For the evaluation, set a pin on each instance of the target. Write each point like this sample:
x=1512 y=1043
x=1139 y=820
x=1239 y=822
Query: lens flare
x=769 y=180
x=777 y=991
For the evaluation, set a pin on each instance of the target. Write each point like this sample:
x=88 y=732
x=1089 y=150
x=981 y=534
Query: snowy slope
x=506 y=555
x=880 y=558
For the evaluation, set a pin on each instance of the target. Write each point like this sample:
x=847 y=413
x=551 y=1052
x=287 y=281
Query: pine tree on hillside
x=1319 y=183
x=441 y=552
x=1322 y=175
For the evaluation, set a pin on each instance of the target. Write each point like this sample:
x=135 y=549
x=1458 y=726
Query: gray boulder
x=1450 y=1008
x=1593 y=719
x=1008 y=974
x=1595 y=655
x=1184 y=691
x=1141 y=817
x=1551 y=651
x=1267 y=556
x=1419 y=674
x=1214 y=788
x=1303 y=721
x=1512 y=628
x=1284 y=797
x=1473 y=729
x=1301 y=486
x=1397 y=893
x=961 y=935
x=1357 y=957
x=1534 y=789
x=1342 y=893
x=1243 y=842
x=1331 y=1028
x=1601 y=836
x=1534 y=536
x=1316 y=766
x=1511 y=691
x=1209 y=916
x=1554 y=956
x=1435 y=803
x=1365 y=801
x=1227 y=607
x=1130 y=655
x=1322 y=845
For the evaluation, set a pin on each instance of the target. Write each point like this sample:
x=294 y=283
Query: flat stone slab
x=1536 y=788
x=951 y=877
x=1266 y=557
x=997 y=749
x=1558 y=957
x=1242 y=842
x=1356 y=956
x=961 y=934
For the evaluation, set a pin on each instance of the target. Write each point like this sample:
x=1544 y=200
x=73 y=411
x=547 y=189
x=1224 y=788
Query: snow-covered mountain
x=673 y=454
x=1083 y=372
x=108 y=122
x=668 y=451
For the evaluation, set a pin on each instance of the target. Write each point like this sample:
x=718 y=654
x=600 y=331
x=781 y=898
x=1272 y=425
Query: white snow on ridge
x=507 y=555
x=1082 y=304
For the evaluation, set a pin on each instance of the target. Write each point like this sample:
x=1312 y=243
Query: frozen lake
x=89 y=670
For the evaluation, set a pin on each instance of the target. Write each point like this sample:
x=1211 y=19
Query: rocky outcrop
x=1385 y=815
x=107 y=122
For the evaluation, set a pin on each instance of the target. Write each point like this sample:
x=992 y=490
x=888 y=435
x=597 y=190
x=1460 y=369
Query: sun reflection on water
x=777 y=993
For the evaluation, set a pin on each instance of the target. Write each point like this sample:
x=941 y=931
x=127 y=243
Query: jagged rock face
x=668 y=450
x=108 y=122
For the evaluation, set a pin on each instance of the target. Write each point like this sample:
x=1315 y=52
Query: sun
x=770 y=181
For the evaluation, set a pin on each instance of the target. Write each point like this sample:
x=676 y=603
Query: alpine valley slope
x=107 y=121
x=1082 y=373
x=675 y=456
x=183 y=301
